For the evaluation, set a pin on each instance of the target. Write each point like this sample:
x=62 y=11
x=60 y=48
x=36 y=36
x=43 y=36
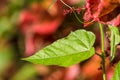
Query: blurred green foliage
x=12 y=40
x=6 y=57
x=9 y=52
x=27 y=72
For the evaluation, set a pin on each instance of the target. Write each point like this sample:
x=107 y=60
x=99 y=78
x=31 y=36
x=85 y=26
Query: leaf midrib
x=60 y=56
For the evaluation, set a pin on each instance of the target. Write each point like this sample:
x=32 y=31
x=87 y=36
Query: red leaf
x=46 y=28
x=37 y=23
x=102 y=11
x=115 y=22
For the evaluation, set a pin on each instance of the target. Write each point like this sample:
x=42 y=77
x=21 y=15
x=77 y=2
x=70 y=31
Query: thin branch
x=102 y=37
x=73 y=11
x=77 y=17
x=103 y=51
x=66 y=4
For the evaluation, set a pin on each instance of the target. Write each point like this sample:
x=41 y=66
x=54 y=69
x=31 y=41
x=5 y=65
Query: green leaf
x=76 y=47
x=115 y=40
x=116 y=75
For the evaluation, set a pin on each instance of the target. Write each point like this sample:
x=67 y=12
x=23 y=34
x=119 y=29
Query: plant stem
x=77 y=17
x=102 y=36
x=66 y=4
x=103 y=51
x=103 y=66
x=73 y=11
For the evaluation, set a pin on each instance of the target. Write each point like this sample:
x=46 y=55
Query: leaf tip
x=25 y=59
